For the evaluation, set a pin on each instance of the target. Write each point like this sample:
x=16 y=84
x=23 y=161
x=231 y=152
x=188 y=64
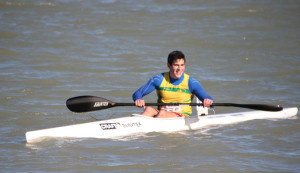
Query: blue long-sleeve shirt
x=155 y=82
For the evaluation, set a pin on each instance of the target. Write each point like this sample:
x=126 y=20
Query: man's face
x=177 y=68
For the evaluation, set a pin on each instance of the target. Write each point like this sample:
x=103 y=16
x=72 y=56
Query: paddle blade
x=88 y=103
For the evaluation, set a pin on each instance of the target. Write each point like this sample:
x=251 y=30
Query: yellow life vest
x=169 y=93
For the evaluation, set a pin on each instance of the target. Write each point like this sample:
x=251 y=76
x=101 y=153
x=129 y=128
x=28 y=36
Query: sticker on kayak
x=137 y=124
x=111 y=126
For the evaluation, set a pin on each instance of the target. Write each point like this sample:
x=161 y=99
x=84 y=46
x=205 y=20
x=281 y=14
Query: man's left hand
x=207 y=102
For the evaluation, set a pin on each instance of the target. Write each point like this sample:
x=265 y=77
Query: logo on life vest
x=98 y=104
x=171 y=89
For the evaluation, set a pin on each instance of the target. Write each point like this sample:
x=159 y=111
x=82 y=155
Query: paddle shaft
x=249 y=106
x=93 y=103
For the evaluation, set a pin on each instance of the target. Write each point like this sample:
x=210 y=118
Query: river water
x=240 y=51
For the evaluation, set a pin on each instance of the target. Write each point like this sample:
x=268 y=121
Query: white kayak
x=140 y=124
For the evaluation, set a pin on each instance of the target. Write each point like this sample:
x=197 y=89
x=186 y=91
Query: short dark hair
x=174 y=56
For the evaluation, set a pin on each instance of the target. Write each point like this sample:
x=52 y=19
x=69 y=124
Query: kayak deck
x=141 y=124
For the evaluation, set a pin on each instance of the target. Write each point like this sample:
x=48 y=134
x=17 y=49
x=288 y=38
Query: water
x=241 y=51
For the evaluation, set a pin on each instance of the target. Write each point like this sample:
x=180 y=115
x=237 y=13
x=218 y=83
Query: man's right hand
x=140 y=103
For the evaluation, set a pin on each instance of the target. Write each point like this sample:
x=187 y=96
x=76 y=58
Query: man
x=172 y=87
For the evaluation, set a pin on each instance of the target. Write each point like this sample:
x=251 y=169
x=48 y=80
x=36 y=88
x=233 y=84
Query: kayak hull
x=140 y=124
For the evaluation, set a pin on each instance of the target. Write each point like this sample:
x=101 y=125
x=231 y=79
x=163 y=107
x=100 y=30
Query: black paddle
x=93 y=103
